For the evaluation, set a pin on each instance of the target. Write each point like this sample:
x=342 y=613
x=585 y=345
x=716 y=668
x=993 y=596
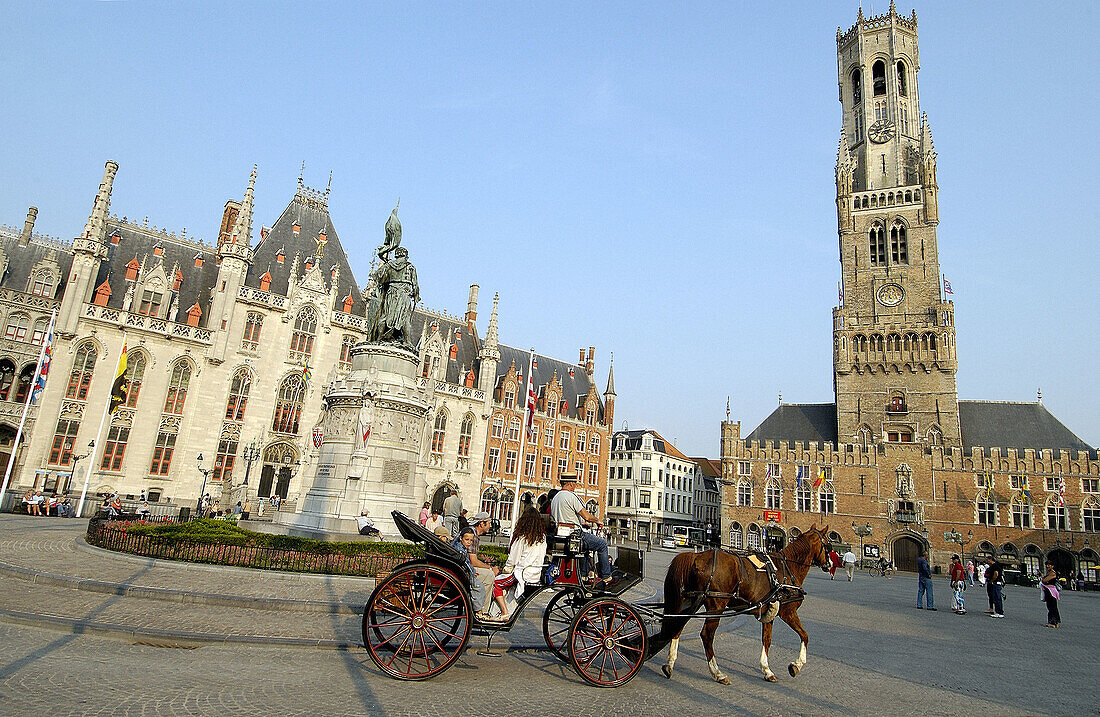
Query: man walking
x=849 y=563
x=924 y=582
x=994 y=580
x=958 y=584
x=452 y=507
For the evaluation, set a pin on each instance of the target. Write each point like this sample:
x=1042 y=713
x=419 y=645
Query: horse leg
x=766 y=640
x=789 y=615
x=710 y=626
x=673 y=649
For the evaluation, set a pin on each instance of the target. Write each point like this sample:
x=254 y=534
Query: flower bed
x=222 y=542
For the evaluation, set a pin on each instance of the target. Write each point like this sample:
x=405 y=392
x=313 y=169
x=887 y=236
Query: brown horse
x=719 y=579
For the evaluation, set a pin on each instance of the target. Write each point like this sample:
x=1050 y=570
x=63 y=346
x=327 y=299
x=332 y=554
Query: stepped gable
x=1005 y=424
x=468 y=345
x=135 y=241
x=572 y=386
x=798 y=423
x=309 y=210
x=23 y=259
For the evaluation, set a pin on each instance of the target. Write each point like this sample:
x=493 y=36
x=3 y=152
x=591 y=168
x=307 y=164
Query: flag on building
x=532 y=400
x=120 y=389
x=1062 y=491
x=1025 y=490
x=769 y=473
x=840 y=293
x=947 y=286
x=798 y=477
x=44 y=367
x=307 y=373
x=727 y=408
x=820 y=477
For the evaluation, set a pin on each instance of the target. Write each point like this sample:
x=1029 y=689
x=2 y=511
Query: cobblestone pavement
x=870 y=652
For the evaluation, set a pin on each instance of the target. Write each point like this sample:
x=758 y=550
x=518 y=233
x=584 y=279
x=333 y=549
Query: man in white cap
x=569 y=513
x=484 y=572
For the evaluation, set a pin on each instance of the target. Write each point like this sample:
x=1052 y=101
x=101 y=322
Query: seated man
x=366 y=525
x=484 y=574
x=569 y=513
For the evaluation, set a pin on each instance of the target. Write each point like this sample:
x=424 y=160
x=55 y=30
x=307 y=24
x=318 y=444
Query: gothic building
x=229 y=348
x=898 y=452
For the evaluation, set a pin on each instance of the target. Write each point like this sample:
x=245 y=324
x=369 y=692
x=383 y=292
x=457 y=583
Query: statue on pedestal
x=396 y=292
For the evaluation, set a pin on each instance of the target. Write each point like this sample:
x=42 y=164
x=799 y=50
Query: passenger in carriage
x=525 y=559
x=464 y=544
x=569 y=513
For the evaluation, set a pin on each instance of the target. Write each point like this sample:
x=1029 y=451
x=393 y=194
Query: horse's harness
x=778 y=592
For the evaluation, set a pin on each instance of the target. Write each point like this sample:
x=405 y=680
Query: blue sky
x=654 y=179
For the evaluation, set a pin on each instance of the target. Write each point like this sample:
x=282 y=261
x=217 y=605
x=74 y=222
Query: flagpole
x=522 y=463
x=99 y=431
x=26 y=406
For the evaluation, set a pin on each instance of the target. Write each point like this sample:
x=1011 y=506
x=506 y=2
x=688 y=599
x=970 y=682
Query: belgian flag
x=121 y=386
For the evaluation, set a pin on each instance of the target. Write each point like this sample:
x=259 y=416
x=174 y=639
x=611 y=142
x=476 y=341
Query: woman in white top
x=525 y=559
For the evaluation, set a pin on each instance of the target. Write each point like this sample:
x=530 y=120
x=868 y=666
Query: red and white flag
x=532 y=399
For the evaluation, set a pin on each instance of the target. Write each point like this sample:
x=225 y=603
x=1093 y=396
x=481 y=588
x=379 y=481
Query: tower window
x=857 y=86
x=878 y=78
x=899 y=253
x=901 y=78
x=878 y=245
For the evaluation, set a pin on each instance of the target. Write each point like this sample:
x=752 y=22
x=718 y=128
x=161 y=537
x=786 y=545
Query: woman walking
x=1051 y=595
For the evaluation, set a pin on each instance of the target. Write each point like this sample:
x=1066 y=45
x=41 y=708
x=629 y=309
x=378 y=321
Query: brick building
x=897 y=451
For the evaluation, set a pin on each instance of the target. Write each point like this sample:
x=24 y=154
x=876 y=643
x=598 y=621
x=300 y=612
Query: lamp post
x=953 y=536
x=205 y=476
x=72 y=470
x=862 y=531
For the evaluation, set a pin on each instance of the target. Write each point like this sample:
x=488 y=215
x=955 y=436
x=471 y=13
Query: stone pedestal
x=376 y=473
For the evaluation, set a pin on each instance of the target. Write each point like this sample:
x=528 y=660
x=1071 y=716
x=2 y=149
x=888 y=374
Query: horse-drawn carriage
x=420 y=617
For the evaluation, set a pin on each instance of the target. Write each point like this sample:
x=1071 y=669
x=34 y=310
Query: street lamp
x=862 y=531
x=953 y=536
x=251 y=453
x=205 y=475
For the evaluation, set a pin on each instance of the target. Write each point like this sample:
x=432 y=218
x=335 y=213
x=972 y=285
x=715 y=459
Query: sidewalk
x=53 y=579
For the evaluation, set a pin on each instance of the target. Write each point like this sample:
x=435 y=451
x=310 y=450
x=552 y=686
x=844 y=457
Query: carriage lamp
x=575 y=546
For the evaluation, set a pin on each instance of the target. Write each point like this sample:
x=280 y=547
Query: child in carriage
x=524 y=564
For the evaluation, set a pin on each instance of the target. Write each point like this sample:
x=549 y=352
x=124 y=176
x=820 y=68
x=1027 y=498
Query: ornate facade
x=898 y=453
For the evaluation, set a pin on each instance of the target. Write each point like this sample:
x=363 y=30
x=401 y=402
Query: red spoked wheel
x=558 y=618
x=416 y=622
x=607 y=642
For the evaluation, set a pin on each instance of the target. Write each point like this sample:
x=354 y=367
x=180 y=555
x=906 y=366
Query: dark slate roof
x=709 y=467
x=573 y=386
x=139 y=242
x=468 y=343
x=309 y=209
x=633 y=442
x=1003 y=424
x=798 y=422
x=23 y=259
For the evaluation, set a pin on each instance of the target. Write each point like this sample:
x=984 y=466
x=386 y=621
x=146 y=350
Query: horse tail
x=677 y=579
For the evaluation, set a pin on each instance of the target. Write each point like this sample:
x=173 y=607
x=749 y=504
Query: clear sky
x=652 y=178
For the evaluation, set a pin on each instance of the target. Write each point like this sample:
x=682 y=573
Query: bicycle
x=879 y=570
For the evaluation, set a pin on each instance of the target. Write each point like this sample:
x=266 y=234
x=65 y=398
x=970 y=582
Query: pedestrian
x=435 y=521
x=452 y=506
x=463 y=521
x=970 y=572
x=924 y=582
x=834 y=563
x=849 y=563
x=259 y=507
x=424 y=513
x=1051 y=594
x=994 y=580
x=237 y=510
x=958 y=584
x=1080 y=580
x=246 y=510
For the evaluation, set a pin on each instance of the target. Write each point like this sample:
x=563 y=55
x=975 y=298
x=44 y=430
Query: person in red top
x=834 y=563
x=958 y=584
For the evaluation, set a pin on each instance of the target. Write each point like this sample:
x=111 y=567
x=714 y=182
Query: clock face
x=891 y=295
x=881 y=131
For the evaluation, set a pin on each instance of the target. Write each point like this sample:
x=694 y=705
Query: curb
x=177 y=596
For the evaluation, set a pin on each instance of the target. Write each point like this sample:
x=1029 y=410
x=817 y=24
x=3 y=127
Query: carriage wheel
x=607 y=642
x=558 y=618
x=416 y=622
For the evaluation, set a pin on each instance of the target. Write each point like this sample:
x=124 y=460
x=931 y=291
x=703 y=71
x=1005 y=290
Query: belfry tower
x=894 y=356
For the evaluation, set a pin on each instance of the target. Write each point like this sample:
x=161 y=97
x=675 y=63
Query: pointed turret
x=845 y=170
x=89 y=251
x=242 y=230
x=490 y=353
x=95 y=228
x=928 y=173
x=234 y=257
x=609 y=396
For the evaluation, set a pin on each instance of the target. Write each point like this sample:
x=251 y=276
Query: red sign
x=776 y=515
x=318 y=434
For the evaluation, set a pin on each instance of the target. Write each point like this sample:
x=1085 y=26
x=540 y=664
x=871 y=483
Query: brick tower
x=894 y=355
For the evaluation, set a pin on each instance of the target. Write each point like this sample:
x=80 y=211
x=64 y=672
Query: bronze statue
x=395 y=292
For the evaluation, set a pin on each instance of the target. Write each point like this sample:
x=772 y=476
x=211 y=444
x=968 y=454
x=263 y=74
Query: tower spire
x=610 y=378
x=96 y=227
x=242 y=228
x=491 y=337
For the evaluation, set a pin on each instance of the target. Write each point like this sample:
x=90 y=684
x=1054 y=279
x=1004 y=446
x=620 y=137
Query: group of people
x=495 y=591
x=848 y=560
x=992 y=575
x=35 y=503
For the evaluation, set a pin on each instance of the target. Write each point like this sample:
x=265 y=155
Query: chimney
x=25 y=237
x=590 y=364
x=471 y=307
x=580 y=361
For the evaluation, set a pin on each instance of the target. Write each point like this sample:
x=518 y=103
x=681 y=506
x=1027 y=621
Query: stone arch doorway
x=278 y=462
x=906 y=550
x=774 y=538
x=440 y=495
x=1064 y=564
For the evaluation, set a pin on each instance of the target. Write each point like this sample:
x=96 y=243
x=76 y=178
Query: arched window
x=239 y=388
x=877 y=245
x=288 y=406
x=506 y=500
x=135 y=375
x=804 y=500
x=986 y=507
x=39 y=333
x=177 y=388
x=864 y=436
x=7 y=378
x=737 y=537
x=857 y=86
x=498 y=426
x=878 y=78
x=902 y=83
x=935 y=436
x=1090 y=515
x=773 y=495
x=345 y=352
x=17 y=327
x=1021 y=512
x=582 y=442
x=81 y=376
x=754 y=541
x=513 y=429
x=439 y=433
x=744 y=493
x=252 y=325
x=464 y=435
x=489 y=501
x=25 y=378
x=1057 y=515
x=826 y=498
x=594 y=444
x=899 y=252
x=305 y=328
